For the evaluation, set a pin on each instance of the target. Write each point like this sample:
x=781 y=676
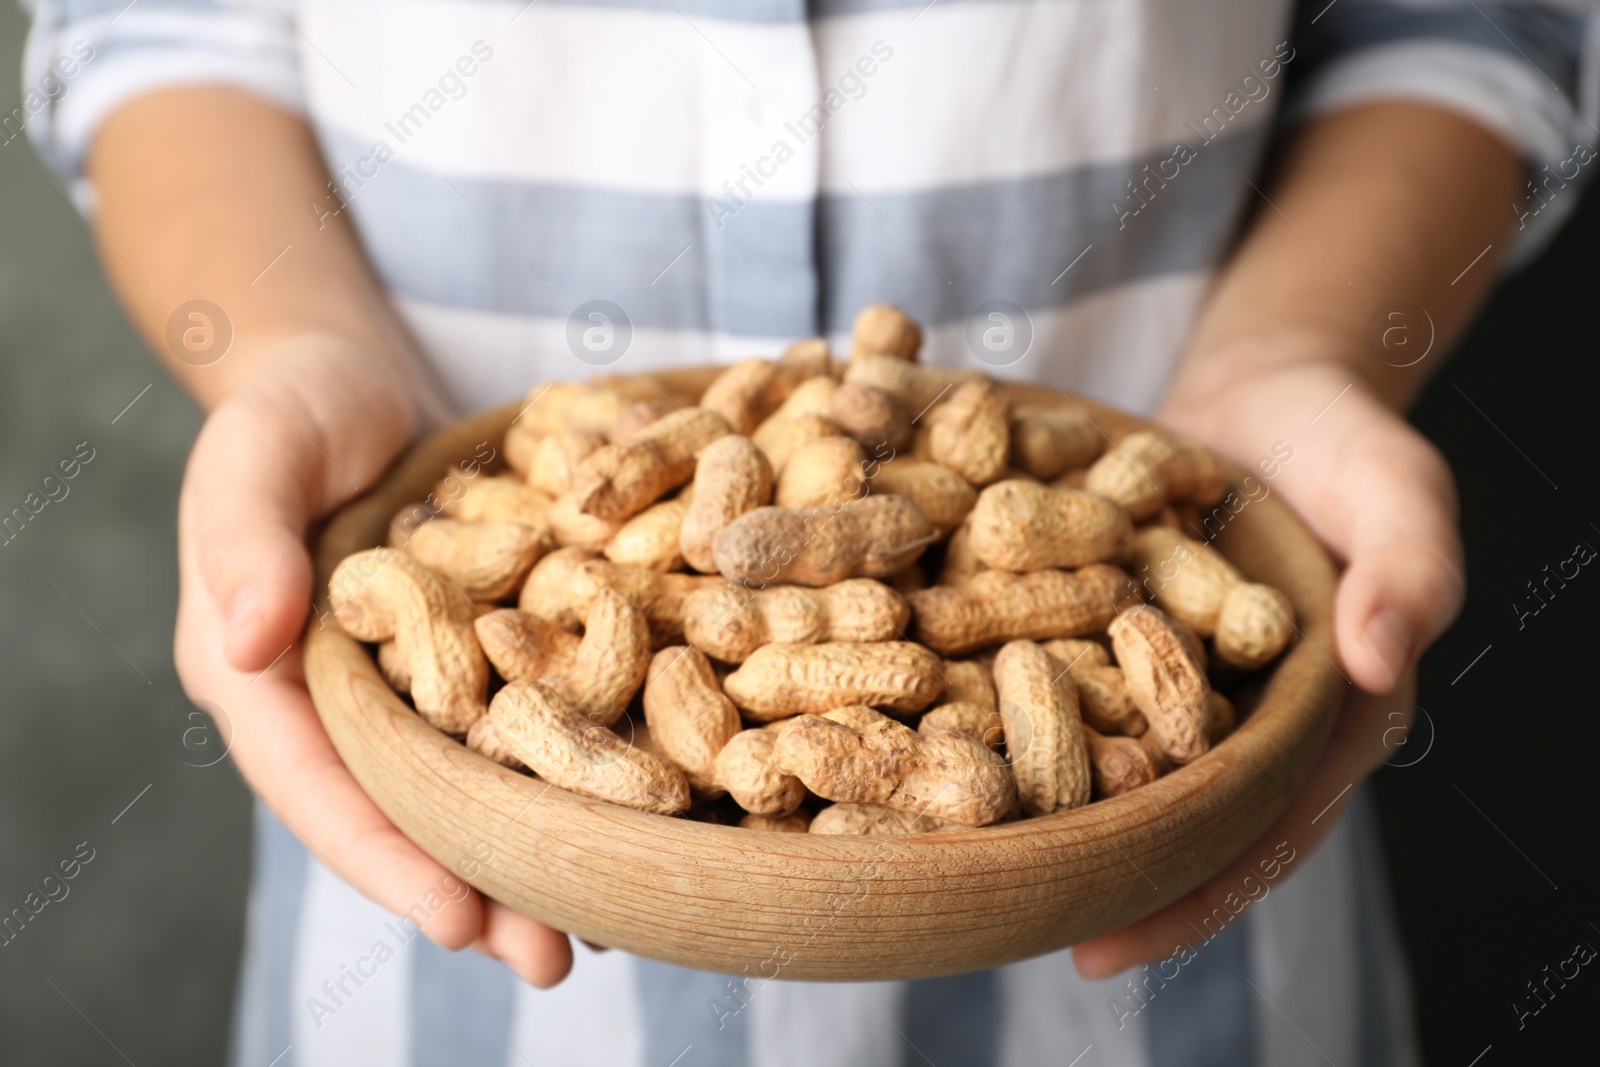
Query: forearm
x=1383 y=203
x=210 y=193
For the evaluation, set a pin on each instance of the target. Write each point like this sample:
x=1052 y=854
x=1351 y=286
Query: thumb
x=1405 y=582
x=252 y=486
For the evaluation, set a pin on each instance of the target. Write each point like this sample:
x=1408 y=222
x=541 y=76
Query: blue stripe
x=462 y=1004
x=1206 y=1016
x=1375 y=934
x=694 y=1012
x=541 y=250
x=953 y=1021
x=262 y=1010
x=1548 y=38
x=941 y=253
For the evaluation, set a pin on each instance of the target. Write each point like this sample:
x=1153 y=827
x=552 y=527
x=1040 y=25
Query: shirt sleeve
x=86 y=58
x=1526 y=71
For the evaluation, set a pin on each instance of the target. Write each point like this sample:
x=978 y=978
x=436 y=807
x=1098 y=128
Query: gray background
x=1489 y=835
x=146 y=941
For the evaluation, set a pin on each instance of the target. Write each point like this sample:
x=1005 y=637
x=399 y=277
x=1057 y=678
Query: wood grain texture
x=815 y=907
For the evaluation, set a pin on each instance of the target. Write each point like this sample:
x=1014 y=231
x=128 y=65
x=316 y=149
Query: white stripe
x=239 y=47
x=488 y=359
x=1049 y=1013
x=590 y=1020
x=338 y=929
x=945 y=110
x=1304 y=961
x=598 y=97
x=801 y=1024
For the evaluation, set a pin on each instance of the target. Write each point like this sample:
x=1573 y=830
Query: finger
x=1355 y=748
x=245 y=506
x=1405 y=582
x=540 y=956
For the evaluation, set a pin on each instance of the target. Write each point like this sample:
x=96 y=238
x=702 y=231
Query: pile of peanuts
x=849 y=597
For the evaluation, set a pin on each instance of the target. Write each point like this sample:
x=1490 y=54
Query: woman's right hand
x=313 y=427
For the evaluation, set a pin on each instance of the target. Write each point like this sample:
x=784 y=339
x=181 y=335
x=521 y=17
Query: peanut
x=1048 y=442
x=875 y=820
x=1024 y=526
x=730 y=622
x=1103 y=698
x=485 y=739
x=1164 y=680
x=1254 y=624
x=918 y=386
x=744 y=767
x=1145 y=470
x=750 y=391
x=378 y=594
x=992 y=607
x=574 y=529
x=798 y=823
x=960 y=563
x=970 y=720
x=556 y=407
x=612 y=659
x=659 y=595
x=636 y=387
x=635 y=417
x=496 y=498
x=797 y=433
x=885 y=330
x=945 y=775
x=729 y=480
x=781 y=680
x=827 y=471
x=545 y=594
x=967 y=705
x=944 y=497
x=1192 y=582
x=540 y=728
x=1221 y=716
x=621 y=480
x=811 y=397
x=970 y=432
x=1187 y=578
x=1045 y=741
x=874 y=417
x=524 y=647
x=650 y=538
x=483 y=560
x=689 y=718
x=520 y=446
x=871 y=538
x=556 y=458
x=393 y=666
x=1118 y=764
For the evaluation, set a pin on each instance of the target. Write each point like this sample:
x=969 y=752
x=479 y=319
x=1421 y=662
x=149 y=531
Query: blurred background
x=1489 y=814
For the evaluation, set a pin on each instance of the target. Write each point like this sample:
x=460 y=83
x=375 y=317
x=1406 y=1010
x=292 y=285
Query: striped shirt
x=547 y=187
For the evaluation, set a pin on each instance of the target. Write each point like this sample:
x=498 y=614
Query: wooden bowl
x=816 y=907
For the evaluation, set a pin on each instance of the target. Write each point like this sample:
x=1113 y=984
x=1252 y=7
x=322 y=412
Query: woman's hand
x=314 y=426
x=1382 y=500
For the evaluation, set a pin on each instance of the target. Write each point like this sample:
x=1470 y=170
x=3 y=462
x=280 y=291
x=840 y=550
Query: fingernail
x=1390 y=641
